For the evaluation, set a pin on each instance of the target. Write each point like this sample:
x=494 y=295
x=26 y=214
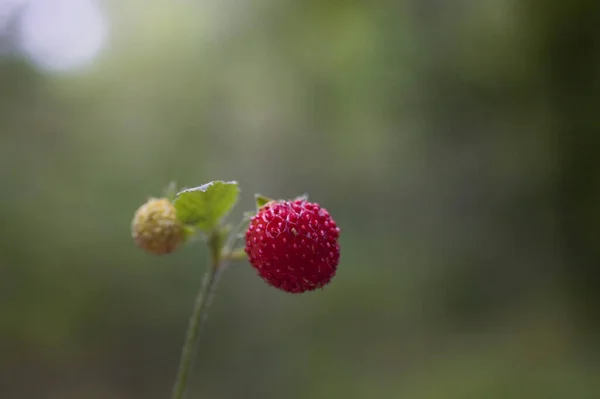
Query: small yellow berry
x=155 y=227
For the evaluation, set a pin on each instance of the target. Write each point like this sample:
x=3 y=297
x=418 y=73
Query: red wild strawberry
x=293 y=245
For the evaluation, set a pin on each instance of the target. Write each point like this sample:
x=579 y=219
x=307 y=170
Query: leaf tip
x=261 y=200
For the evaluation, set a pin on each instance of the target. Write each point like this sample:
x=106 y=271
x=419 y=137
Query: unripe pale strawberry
x=155 y=227
x=293 y=245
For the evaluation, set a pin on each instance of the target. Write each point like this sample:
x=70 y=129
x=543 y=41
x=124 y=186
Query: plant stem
x=238 y=254
x=203 y=300
x=234 y=237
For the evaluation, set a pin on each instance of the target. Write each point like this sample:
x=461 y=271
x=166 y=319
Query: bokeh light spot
x=62 y=35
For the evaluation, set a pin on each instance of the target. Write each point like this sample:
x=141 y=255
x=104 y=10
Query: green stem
x=203 y=300
x=218 y=262
x=234 y=237
x=238 y=254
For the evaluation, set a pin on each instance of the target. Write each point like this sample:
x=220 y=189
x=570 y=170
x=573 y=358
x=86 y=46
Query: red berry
x=293 y=245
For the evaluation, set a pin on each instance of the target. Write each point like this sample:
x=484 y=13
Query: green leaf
x=261 y=200
x=204 y=207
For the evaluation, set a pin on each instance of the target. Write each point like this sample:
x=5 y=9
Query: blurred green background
x=456 y=143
